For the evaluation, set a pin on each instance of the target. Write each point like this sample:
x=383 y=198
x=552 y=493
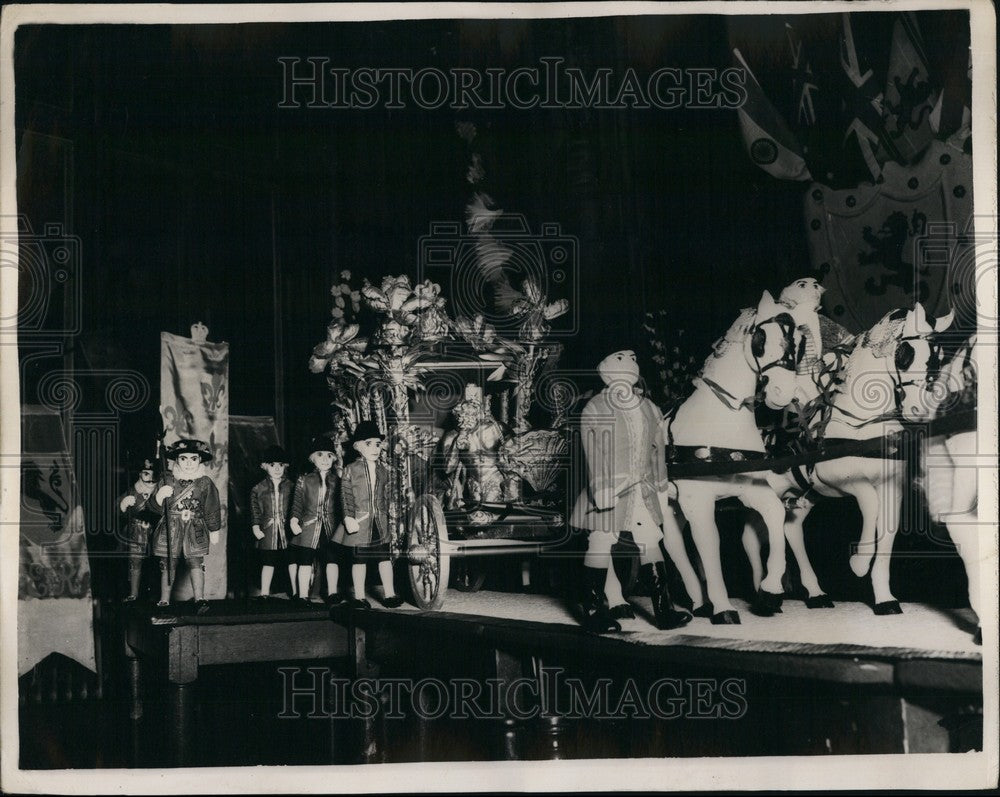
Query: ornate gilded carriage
x=472 y=477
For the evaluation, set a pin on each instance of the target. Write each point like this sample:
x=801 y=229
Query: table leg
x=509 y=671
x=135 y=687
x=357 y=654
x=182 y=672
x=181 y=729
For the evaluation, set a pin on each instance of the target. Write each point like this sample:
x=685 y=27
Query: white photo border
x=950 y=771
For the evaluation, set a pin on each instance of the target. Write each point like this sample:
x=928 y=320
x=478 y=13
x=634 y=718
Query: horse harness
x=788 y=361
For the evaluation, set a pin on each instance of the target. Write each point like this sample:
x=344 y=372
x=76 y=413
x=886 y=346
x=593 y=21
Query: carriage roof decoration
x=411 y=320
x=374 y=376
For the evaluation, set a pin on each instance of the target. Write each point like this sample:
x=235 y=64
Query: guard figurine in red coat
x=270 y=508
x=137 y=524
x=191 y=512
x=364 y=535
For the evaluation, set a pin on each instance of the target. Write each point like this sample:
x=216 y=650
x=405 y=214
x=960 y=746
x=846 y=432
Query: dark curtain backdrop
x=193 y=187
x=196 y=198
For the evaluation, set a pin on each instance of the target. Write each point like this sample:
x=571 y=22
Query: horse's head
x=774 y=347
x=915 y=365
x=958 y=375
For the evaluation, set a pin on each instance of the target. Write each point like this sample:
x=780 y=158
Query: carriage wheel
x=468 y=577
x=426 y=552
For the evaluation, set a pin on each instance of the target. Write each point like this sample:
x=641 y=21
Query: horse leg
x=965 y=534
x=752 y=532
x=697 y=501
x=890 y=496
x=761 y=497
x=864 y=493
x=795 y=534
x=673 y=543
x=963 y=518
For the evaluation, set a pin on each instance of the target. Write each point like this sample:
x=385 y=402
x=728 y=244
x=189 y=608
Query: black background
x=190 y=189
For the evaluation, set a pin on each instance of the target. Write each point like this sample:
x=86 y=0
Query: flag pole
x=161 y=455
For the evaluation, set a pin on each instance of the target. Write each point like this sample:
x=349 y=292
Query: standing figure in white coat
x=626 y=494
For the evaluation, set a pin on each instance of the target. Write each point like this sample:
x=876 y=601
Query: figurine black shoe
x=766 y=604
x=653 y=577
x=821 y=601
x=594 y=605
x=392 y=602
x=705 y=610
x=622 y=611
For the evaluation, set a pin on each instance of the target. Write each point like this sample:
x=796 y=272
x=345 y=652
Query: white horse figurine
x=795 y=484
x=717 y=423
x=888 y=377
x=826 y=345
x=952 y=490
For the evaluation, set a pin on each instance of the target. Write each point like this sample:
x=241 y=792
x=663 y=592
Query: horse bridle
x=787 y=360
x=789 y=356
x=903 y=359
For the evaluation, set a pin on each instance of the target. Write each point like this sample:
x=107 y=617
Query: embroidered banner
x=904 y=240
x=838 y=96
x=55 y=607
x=194 y=402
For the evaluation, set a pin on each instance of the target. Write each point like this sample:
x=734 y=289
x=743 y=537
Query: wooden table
x=804 y=698
x=852 y=700
x=169 y=646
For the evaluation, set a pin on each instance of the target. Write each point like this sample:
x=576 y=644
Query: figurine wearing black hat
x=137 y=523
x=191 y=512
x=314 y=509
x=364 y=535
x=270 y=507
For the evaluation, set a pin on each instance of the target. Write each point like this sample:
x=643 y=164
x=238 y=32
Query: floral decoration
x=342 y=347
x=537 y=311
